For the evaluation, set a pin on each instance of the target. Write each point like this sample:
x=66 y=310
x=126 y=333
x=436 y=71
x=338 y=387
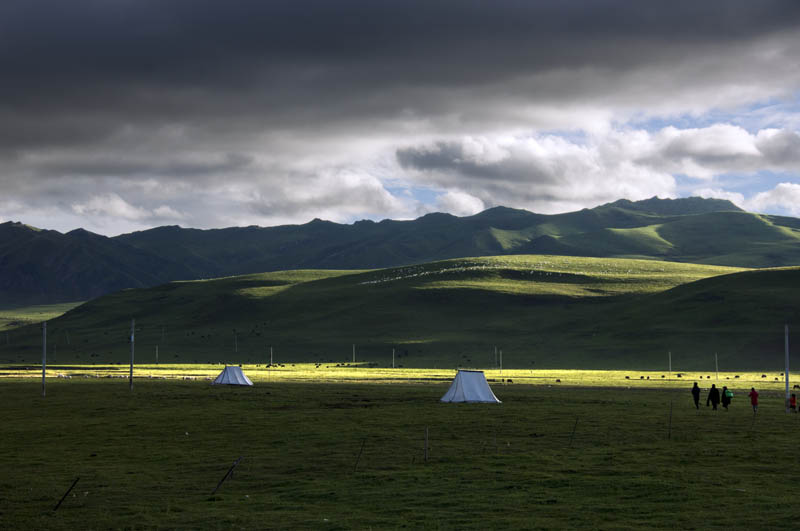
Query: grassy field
x=363 y=373
x=542 y=311
x=351 y=455
x=16 y=317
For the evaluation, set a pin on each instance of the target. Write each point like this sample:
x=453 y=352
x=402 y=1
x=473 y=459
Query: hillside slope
x=45 y=266
x=542 y=311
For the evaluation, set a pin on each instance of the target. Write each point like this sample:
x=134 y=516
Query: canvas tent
x=232 y=376
x=470 y=386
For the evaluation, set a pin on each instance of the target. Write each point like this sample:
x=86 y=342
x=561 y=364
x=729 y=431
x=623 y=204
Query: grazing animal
x=558 y=381
x=627 y=377
x=763 y=375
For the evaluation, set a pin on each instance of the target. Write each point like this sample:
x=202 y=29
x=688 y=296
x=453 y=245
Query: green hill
x=46 y=266
x=542 y=311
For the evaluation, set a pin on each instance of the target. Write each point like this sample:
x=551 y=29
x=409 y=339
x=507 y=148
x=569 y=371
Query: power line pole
x=130 y=377
x=44 y=354
x=786 y=349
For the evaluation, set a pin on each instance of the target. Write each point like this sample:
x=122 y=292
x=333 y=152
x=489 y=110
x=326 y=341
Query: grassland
x=350 y=456
x=542 y=311
x=12 y=318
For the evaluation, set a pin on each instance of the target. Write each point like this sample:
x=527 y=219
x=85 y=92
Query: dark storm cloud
x=452 y=157
x=100 y=62
x=207 y=112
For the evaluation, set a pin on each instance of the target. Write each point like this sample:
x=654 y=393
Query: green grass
x=150 y=458
x=543 y=311
x=17 y=317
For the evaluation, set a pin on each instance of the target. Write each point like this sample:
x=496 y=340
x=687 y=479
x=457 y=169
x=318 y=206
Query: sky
x=122 y=115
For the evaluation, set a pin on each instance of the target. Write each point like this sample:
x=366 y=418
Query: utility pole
x=130 y=377
x=786 y=349
x=44 y=354
x=354 y=352
x=669 y=354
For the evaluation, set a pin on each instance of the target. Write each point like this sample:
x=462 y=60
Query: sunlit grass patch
x=17 y=317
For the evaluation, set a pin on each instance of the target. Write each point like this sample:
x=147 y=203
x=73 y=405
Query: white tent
x=470 y=386
x=232 y=376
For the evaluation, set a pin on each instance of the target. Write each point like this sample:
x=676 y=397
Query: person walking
x=696 y=396
x=793 y=403
x=713 y=397
x=753 y=394
x=727 y=395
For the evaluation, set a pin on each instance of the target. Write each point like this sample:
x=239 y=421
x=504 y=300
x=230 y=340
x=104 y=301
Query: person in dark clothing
x=727 y=395
x=713 y=397
x=696 y=396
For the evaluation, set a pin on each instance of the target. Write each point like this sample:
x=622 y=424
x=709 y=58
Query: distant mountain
x=46 y=266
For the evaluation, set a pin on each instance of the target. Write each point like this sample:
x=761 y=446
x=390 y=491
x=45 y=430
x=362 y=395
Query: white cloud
x=718 y=193
x=110 y=205
x=555 y=173
x=785 y=196
x=167 y=212
x=459 y=203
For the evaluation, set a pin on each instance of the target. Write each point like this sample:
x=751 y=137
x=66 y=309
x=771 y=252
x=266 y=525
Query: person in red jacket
x=793 y=403
x=753 y=398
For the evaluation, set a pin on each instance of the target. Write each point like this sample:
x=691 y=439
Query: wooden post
x=669 y=374
x=573 y=432
x=669 y=427
x=426 y=444
x=44 y=354
x=359 y=454
x=64 y=497
x=786 y=350
x=228 y=474
x=133 y=333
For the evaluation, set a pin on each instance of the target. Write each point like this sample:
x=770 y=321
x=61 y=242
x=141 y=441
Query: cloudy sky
x=120 y=115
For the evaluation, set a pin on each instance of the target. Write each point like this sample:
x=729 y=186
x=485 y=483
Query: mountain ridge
x=44 y=266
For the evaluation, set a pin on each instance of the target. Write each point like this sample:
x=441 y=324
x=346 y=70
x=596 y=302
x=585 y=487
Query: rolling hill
x=542 y=311
x=46 y=266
